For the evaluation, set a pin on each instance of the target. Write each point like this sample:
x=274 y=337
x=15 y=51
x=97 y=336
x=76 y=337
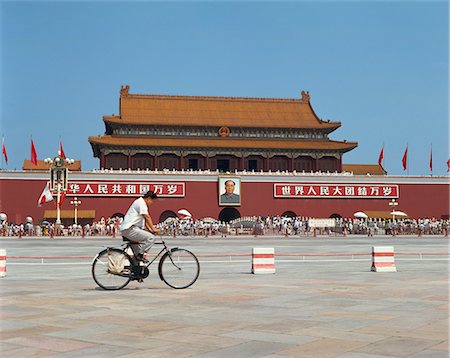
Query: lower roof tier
x=186 y=142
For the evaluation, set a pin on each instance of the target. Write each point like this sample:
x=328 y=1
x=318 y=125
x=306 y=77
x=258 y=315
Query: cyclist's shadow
x=99 y=289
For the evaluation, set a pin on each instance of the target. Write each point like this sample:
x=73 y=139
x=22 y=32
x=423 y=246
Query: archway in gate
x=335 y=216
x=228 y=214
x=167 y=214
x=117 y=215
x=289 y=214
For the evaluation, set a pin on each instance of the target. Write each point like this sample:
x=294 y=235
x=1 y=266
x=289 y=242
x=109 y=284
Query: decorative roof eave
x=125 y=141
x=326 y=126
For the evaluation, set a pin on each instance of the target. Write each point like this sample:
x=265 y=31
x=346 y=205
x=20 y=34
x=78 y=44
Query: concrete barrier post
x=383 y=259
x=2 y=263
x=263 y=260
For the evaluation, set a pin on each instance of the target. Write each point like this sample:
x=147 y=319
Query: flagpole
x=3 y=140
x=407 y=166
x=431 y=159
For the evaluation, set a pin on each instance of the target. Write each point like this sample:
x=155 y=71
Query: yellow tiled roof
x=70 y=214
x=41 y=165
x=218 y=111
x=364 y=169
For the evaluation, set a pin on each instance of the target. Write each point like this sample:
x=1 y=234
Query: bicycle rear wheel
x=102 y=274
x=179 y=268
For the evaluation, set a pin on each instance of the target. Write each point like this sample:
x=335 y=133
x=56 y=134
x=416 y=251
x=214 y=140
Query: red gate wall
x=19 y=196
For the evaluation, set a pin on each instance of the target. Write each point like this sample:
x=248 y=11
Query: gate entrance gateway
x=228 y=214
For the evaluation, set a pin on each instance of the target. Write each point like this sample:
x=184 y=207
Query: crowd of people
x=255 y=225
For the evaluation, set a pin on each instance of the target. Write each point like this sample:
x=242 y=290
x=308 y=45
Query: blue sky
x=381 y=68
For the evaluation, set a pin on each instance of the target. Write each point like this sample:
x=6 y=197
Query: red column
x=102 y=160
x=129 y=161
x=291 y=164
x=266 y=164
x=242 y=163
x=180 y=162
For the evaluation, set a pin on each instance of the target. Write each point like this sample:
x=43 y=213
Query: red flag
x=448 y=165
x=62 y=196
x=45 y=197
x=431 y=160
x=381 y=157
x=405 y=158
x=61 y=150
x=34 y=157
x=4 y=150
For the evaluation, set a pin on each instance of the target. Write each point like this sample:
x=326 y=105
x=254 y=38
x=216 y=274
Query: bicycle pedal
x=142 y=260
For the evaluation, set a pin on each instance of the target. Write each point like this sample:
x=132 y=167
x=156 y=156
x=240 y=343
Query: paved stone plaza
x=313 y=306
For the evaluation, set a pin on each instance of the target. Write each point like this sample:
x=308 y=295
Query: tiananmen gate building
x=218 y=133
x=275 y=153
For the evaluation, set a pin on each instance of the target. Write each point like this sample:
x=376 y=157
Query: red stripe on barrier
x=258 y=266
x=2 y=258
x=3 y=269
x=263 y=256
x=383 y=254
x=384 y=264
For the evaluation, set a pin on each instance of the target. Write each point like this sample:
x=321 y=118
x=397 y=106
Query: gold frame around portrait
x=221 y=189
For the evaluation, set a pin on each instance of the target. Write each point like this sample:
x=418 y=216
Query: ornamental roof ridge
x=341 y=141
x=215 y=98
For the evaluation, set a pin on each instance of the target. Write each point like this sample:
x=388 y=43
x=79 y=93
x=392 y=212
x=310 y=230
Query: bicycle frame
x=164 y=249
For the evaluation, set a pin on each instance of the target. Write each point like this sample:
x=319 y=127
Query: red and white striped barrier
x=2 y=263
x=383 y=259
x=263 y=260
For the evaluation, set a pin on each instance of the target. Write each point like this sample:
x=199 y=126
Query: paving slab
x=325 y=347
x=398 y=346
x=249 y=350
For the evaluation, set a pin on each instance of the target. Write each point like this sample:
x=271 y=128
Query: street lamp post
x=76 y=202
x=59 y=173
x=393 y=204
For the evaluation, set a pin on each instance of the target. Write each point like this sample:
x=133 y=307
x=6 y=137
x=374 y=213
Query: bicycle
x=114 y=268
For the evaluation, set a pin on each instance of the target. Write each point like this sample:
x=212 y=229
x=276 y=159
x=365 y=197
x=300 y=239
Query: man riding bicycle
x=137 y=225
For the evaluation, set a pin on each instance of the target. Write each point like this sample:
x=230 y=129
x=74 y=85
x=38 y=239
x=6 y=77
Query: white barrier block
x=263 y=260
x=383 y=259
x=2 y=263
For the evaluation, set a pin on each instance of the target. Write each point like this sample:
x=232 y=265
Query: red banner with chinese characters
x=342 y=191
x=84 y=188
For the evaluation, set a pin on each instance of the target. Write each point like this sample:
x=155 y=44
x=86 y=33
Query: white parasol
x=209 y=220
x=360 y=214
x=399 y=213
x=184 y=213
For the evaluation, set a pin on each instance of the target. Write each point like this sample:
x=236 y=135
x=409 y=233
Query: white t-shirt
x=134 y=217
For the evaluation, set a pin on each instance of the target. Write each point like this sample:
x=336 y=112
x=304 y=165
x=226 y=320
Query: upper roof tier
x=144 y=109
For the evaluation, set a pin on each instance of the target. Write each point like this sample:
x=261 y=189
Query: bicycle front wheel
x=102 y=274
x=179 y=268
